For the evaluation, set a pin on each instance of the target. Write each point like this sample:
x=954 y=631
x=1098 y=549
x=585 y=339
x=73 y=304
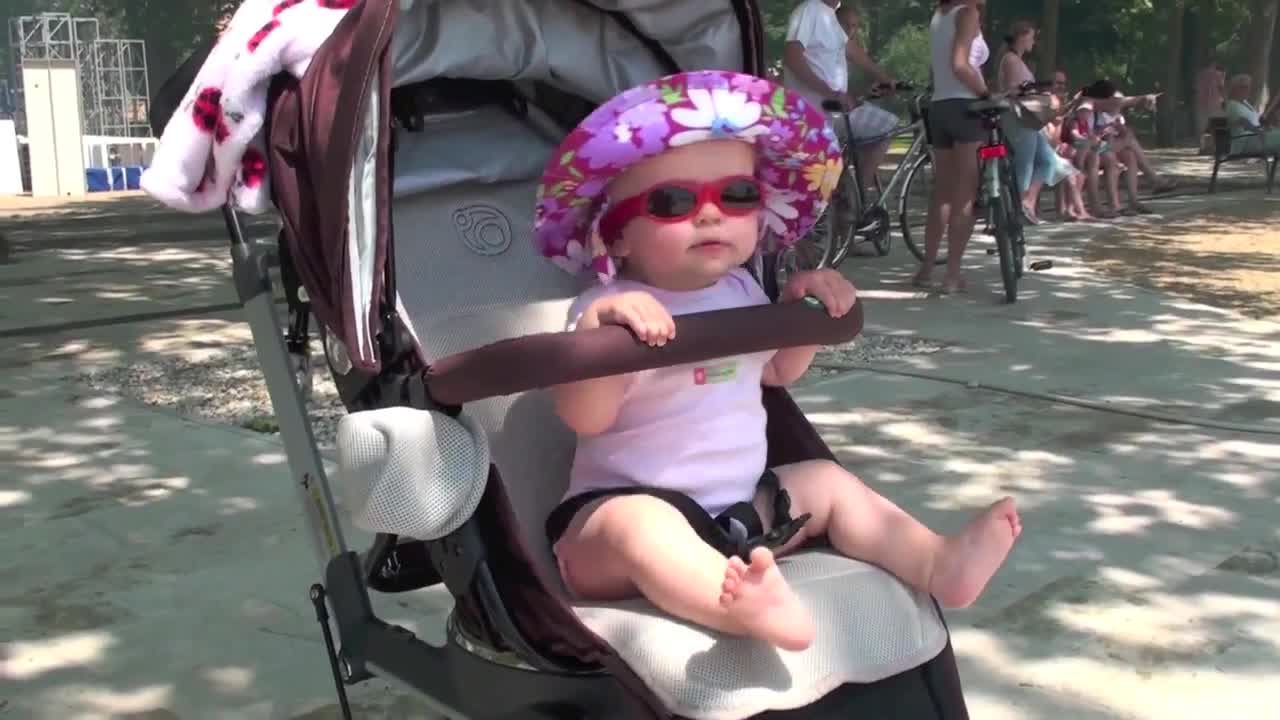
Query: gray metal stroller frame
x=514 y=648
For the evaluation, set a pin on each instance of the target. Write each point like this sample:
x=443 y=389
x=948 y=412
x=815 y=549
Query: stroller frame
x=485 y=646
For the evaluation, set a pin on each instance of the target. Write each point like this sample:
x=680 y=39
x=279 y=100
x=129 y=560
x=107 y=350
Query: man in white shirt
x=815 y=63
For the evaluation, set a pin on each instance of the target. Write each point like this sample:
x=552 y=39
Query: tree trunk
x=1205 y=16
x=1261 y=40
x=1049 y=39
x=1167 y=126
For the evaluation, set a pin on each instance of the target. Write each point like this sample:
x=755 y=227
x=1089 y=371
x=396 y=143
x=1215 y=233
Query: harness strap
x=741 y=529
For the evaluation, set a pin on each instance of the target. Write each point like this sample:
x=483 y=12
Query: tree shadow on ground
x=155 y=566
x=1225 y=259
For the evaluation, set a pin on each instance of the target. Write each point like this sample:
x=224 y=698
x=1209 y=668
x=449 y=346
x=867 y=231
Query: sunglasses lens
x=670 y=201
x=740 y=195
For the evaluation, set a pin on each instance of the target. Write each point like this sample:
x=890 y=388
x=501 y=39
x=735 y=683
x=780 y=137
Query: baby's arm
x=837 y=295
x=590 y=407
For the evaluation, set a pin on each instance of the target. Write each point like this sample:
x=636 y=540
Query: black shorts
x=951 y=123
x=718 y=531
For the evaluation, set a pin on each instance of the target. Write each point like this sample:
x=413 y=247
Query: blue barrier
x=127 y=177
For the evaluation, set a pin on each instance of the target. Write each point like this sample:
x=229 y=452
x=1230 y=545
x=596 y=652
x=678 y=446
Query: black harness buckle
x=742 y=530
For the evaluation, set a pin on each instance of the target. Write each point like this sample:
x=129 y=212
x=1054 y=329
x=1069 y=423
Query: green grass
x=262 y=424
x=901 y=144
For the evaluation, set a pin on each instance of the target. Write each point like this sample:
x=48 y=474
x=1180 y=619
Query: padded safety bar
x=547 y=359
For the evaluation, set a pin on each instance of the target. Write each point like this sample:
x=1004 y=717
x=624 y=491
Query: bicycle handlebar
x=899 y=86
x=834 y=106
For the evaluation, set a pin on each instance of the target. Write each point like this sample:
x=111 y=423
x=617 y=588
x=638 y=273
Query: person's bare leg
x=1112 y=168
x=870 y=158
x=1074 y=188
x=939 y=214
x=964 y=193
x=862 y=524
x=1131 y=177
x=1140 y=158
x=1031 y=199
x=625 y=545
x=1090 y=163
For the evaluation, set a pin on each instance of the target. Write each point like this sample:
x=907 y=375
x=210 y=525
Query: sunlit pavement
x=157 y=567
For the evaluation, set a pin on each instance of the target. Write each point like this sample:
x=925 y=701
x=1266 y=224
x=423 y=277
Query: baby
x=664 y=193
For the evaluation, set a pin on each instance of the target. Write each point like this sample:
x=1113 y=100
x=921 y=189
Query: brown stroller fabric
x=311 y=144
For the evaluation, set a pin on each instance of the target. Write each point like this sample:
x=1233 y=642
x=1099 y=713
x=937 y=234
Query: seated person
x=1036 y=163
x=1251 y=132
x=1069 y=198
x=664 y=217
x=1125 y=142
x=1092 y=155
x=815 y=63
x=1095 y=133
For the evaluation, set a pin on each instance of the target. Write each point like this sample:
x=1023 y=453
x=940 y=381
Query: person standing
x=815 y=63
x=957 y=52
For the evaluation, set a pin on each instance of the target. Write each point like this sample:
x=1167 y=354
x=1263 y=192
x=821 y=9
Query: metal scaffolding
x=115 y=88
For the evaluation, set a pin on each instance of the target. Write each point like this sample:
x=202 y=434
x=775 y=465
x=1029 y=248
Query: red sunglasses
x=673 y=201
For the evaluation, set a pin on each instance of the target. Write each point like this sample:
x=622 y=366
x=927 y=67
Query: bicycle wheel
x=1001 y=215
x=844 y=212
x=1017 y=239
x=811 y=252
x=913 y=207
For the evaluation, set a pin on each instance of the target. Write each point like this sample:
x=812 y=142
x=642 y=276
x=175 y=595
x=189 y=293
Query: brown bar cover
x=548 y=359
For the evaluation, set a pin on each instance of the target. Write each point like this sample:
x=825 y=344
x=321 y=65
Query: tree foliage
x=170 y=28
x=1124 y=40
x=1127 y=41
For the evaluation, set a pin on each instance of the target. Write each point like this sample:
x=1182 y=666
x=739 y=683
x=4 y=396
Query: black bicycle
x=998 y=195
x=849 y=219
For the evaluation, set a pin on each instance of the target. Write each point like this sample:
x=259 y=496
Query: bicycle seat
x=990 y=106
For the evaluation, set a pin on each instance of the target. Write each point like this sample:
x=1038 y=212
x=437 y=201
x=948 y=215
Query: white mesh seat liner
x=467 y=276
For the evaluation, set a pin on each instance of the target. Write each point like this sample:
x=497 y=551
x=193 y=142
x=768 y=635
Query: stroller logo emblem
x=483 y=229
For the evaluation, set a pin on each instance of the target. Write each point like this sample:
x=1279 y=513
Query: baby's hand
x=640 y=311
x=836 y=293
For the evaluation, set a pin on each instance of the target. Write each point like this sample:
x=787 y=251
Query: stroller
x=403 y=167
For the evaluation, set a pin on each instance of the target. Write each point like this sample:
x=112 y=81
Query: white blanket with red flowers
x=213 y=150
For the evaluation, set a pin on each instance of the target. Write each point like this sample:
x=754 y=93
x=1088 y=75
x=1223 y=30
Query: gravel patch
x=869 y=349
x=228 y=387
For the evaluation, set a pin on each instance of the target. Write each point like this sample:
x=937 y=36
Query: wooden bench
x=1222 y=153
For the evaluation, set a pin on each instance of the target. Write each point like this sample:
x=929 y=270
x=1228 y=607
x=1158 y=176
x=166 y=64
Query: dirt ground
x=1229 y=257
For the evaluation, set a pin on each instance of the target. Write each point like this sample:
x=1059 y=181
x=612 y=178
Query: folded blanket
x=213 y=149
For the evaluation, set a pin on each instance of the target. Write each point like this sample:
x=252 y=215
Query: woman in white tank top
x=957 y=53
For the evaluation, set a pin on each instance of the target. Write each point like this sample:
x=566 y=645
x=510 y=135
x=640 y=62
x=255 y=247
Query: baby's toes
x=730 y=585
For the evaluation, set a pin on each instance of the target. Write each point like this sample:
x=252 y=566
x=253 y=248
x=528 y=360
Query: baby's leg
x=628 y=544
x=862 y=524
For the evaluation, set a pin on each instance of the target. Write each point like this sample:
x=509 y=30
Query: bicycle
x=998 y=195
x=848 y=217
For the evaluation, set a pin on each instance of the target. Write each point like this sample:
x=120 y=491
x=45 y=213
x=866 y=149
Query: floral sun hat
x=798 y=158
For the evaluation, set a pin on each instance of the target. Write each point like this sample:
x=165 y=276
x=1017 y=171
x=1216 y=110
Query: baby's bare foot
x=969 y=560
x=758 y=598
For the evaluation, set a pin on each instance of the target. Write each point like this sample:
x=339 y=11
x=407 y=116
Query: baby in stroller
x=663 y=194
